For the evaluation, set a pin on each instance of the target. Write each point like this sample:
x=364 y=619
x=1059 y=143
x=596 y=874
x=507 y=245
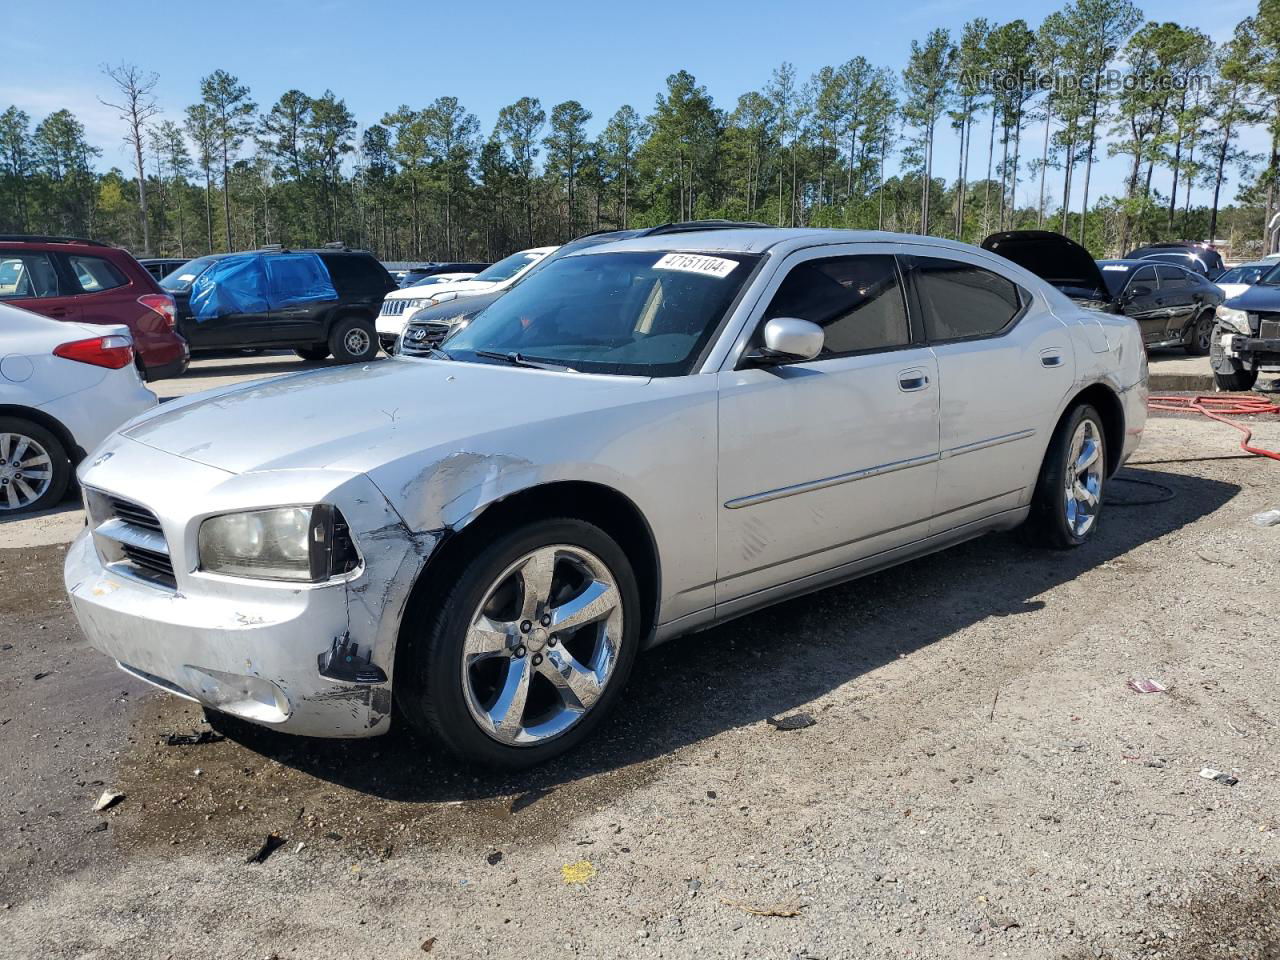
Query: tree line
x=1093 y=80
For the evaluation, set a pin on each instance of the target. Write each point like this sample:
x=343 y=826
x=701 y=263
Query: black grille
x=1269 y=328
x=422 y=337
x=157 y=565
x=133 y=513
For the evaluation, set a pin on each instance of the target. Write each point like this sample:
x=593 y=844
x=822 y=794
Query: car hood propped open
x=1054 y=258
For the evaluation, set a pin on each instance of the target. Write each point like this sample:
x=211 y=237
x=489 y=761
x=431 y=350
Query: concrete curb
x=1171 y=382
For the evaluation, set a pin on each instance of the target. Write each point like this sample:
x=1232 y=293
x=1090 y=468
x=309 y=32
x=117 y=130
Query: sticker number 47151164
x=694 y=263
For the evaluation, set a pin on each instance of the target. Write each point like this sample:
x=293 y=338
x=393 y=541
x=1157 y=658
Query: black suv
x=429 y=327
x=318 y=302
x=1200 y=257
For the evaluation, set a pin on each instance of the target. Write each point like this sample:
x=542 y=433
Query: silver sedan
x=646 y=438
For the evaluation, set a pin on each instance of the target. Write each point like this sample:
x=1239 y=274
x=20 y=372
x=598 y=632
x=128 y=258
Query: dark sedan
x=1172 y=305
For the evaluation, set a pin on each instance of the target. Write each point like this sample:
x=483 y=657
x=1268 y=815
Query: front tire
x=1068 y=495
x=353 y=340
x=1229 y=373
x=34 y=467
x=528 y=651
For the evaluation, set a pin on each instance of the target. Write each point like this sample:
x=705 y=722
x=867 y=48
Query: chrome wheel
x=542 y=645
x=26 y=471
x=356 y=341
x=1083 y=478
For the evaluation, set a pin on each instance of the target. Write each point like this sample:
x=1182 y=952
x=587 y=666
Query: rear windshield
x=181 y=279
x=507 y=268
x=1247 y=274
x=1115 y=275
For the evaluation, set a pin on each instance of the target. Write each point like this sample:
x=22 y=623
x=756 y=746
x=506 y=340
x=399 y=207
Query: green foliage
x=850 y=146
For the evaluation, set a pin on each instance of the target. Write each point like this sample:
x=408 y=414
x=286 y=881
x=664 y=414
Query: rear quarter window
x=94 y=274
x=358 y=275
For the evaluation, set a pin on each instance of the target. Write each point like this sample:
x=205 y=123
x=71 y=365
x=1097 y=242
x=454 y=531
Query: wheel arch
x=343 y=311
x=52 y=424
x=596 y=503
x=1107 y=402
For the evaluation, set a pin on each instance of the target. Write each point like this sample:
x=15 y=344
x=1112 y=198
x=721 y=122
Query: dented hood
x=1052 y=257
x=358 y=418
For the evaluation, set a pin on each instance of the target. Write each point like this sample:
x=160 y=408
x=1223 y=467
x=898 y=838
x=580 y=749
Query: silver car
x=646 y=438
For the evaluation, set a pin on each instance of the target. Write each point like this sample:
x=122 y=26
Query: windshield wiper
x=517 y=359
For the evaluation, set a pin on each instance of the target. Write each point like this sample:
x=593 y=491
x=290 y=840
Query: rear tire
x=34 y=467
x=1200 y=335
x=446 y=702
x=353 y=340
x=1229 y=374
x=1052 y=522
x=314 y=354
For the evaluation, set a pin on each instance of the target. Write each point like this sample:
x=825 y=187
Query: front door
x=832 y=460
x=1144 y=302
x=1181 y=299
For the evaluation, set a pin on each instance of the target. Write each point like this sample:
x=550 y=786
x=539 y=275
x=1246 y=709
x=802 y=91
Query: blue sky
x=379 y=55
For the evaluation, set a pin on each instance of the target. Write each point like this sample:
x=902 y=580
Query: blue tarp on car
x=258 y=282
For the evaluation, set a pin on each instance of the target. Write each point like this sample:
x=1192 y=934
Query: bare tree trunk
x=1044 y=164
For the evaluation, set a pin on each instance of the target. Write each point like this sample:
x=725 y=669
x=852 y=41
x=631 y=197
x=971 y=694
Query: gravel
x=979 y=779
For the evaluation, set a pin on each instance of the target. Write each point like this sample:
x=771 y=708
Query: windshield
x=507 y=268
x=1250 y=274
x=642 y=314
x=181 y=279
x=1116 y=275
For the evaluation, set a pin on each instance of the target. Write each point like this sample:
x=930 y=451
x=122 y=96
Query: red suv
x=91 y=282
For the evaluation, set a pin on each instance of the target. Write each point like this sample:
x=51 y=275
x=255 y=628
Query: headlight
x=1235 y=318
x=308 y=543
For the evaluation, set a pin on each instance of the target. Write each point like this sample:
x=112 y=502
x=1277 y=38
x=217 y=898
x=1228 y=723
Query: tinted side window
x=96 y=274
x=25 y=275
x=1143 y=277
x=856 y=300
x=356 y=275
x=960 y=301
x=1172 y=277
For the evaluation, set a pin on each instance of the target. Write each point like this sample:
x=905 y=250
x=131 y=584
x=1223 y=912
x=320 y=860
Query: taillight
x=162 y=304
x=114 y=352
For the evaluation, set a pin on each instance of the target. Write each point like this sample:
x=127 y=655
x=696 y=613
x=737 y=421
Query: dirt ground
x=980 y=780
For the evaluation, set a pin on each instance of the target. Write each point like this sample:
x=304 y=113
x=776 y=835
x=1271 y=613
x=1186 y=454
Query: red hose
x=1215 y=408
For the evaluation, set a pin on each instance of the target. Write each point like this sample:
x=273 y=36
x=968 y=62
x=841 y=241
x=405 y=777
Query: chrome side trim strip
x=988 y=443
x=810 y=485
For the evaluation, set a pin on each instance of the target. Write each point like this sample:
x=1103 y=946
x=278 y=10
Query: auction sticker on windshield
x=693 y=263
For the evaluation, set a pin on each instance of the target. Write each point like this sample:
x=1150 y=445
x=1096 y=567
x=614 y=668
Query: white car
x=399 y=304
x=645 y=438
x=63 y=388
x=1236 y=280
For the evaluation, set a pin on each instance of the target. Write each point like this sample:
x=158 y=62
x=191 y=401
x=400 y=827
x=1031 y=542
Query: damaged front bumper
x=1256 y=351
x=311 y=659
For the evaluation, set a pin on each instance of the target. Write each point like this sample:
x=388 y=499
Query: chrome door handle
x=912 y=380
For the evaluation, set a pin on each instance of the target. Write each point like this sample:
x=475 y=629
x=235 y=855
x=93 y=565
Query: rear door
x=1005 y=362
x=831 y=460
x=36 y=281
x=302 y=295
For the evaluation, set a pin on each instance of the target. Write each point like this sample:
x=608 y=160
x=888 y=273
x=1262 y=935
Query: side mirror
x=788 y=338
x=1139 y=291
